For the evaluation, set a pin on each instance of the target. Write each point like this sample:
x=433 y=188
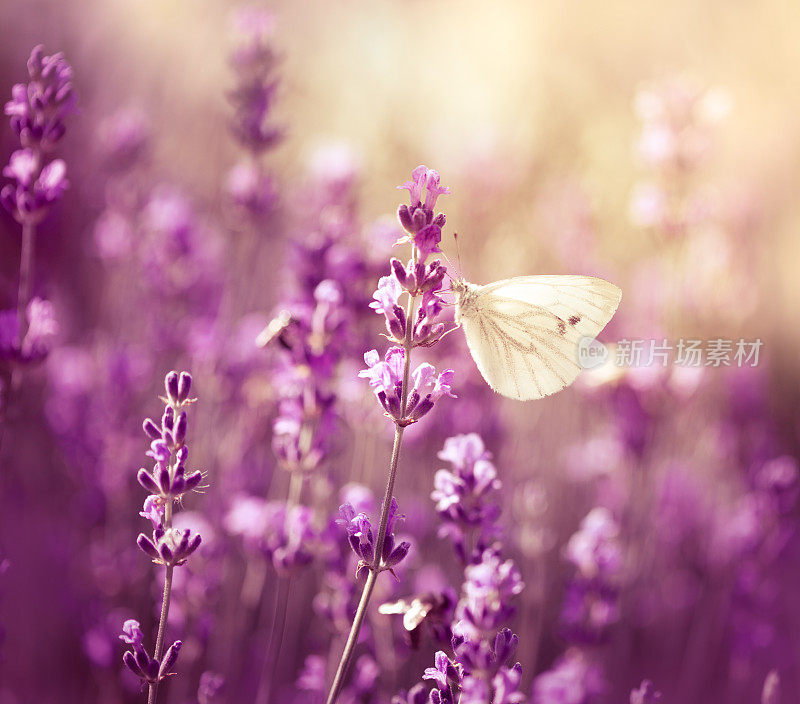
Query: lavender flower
x=573 y=679
x=38 y=338
x=283 y=534
x=131 y=633
x=210 y=688
x=303 y=430
x=138 y=661
x=250 y=188
x=591 y=601
x=35 y=187
x=169 y=546
x=254 y=61
x=486 y=599
x=466 y=498
x=594 y=549
x=38 y=109
x=443 y=674
x=418 y=219
x=771 y=693
x=480 y=670
x=125 y=137
x=405 y=396
x=291 y=537
x=645 y=694
x=386 y=379
x=359 y=531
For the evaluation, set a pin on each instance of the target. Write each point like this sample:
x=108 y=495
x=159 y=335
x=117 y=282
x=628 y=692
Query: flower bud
x=171 y=386
x=184 y=386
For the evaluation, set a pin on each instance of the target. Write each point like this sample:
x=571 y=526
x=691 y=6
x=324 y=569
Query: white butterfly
x=524 y=333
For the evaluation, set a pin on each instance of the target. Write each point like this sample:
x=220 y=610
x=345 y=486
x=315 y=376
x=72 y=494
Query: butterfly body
x=524 y=332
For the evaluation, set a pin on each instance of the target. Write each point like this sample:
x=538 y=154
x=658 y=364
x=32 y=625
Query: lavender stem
x=264 y=693
x=25 y=279
x=165 y=601
x=10 y=385
x=352 y=638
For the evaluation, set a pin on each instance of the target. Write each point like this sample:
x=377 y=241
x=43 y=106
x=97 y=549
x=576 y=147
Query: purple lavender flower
x=131 y=633
x=285 y=535
x=479 y=672
x=415 y=279
x=138 y=661
x=35 y=187
x=250 y=189
x=38 y=339
x=210 y=687
x=38 y=109
x=594 y=549
x=486 y=595
x=125 y=137
x=591 y=600
x=418 y=219
x=291 y=539
x=254 y=61
x=645 y=694
x=386 y=379
x=362 y=541
x=573 y=679
x=466 y=498
x=169 y=480
x=169 y=546
x=443 y=673
x=404 y=395
x=590 y=607
x=771 y=693
x=149 y=669
x=153 y=510
x=304 y=429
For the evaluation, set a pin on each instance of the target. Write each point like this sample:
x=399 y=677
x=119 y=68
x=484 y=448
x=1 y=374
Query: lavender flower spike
x=360 y=537
x=386 y=377
x=169 y=547
x=409 y=299
x=38 y=109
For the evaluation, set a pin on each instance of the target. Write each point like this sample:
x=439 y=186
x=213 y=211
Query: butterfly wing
x=524 y=332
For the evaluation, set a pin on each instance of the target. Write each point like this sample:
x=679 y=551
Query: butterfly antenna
x=458 y=252
x=450 y=264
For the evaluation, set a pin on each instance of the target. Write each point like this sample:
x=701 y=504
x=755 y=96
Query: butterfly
x=525 y=333
x=429 y=608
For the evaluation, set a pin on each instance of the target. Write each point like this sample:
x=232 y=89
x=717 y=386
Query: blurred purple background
x=223 y=162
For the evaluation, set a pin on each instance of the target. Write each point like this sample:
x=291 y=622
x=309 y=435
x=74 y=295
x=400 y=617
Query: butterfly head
x=458 y=286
